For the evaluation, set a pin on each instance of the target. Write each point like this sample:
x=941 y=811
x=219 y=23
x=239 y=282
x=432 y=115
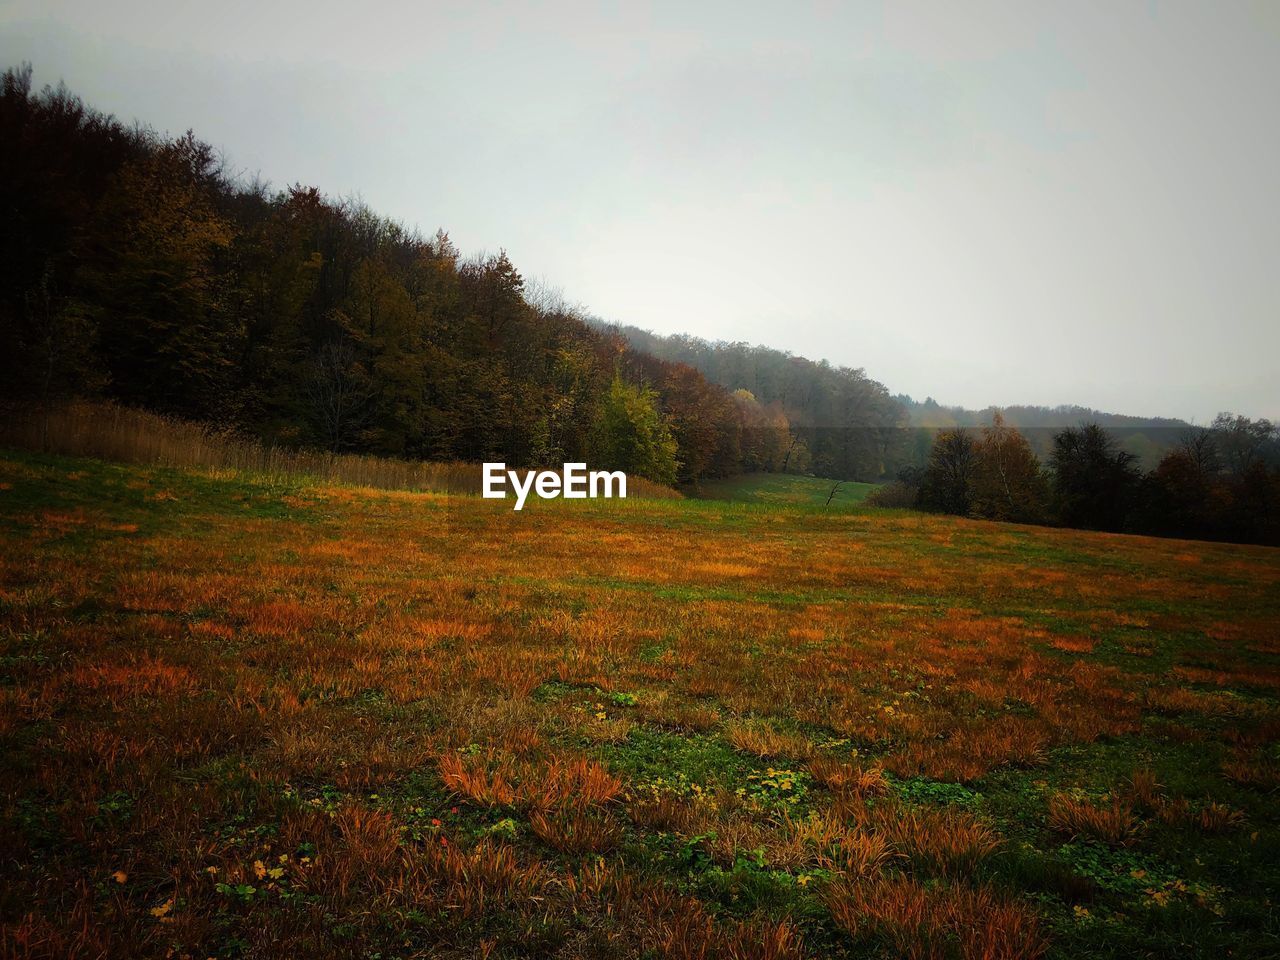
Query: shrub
x=893 y=495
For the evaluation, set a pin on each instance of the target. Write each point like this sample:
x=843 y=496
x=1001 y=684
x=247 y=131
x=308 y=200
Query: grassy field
x=786 y=490
x=251 y=719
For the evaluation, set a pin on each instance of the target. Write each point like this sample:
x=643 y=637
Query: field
x=250 y=718
x=786 y=490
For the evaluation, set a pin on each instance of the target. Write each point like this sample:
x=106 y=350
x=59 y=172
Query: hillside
x=846 y=425
x=803 y=389
x=136 y=268
x=243 y=717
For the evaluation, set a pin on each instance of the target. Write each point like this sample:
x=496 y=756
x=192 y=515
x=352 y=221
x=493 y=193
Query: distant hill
x=843 y=424
x=824 y=403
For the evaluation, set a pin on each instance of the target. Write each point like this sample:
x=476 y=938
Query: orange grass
x=934 y=923
x=488 y=732
x=763 y=741
x=112 y=432
x=1113 y=823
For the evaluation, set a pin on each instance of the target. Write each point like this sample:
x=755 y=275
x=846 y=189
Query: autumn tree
x=56 y=158
x=384 y=329
x=766 y=436
x=55 y=336
x=703 y=420
x=1008 y=482
x=850 y=424
x=276 y=267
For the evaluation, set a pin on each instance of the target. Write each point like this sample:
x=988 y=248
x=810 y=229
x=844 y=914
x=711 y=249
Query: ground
x=250 y=718
x=786 y=490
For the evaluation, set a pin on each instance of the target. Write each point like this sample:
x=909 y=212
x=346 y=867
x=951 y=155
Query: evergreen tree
x=947 y=483
x=1094 y=482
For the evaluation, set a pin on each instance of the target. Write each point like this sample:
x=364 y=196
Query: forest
x=136 y=268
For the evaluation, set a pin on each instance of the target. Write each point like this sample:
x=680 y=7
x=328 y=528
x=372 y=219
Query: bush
x=896 y=494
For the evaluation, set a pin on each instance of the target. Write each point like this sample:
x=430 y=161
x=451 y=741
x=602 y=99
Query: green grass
x=785 y=489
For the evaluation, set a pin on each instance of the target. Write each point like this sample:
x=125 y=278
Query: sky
x=986 y=203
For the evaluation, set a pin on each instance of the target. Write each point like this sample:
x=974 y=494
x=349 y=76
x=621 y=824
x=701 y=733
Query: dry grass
x=845 y=779
x=663 y=813
x=937 y=922
x=1216 y=817
x=1144 y=790
x=764 y=741
x=505 y=735
x=576 y=831
x=1112 y=823
x=949 y=841
x=111 y=432
x=488 y=784
x=496 y=781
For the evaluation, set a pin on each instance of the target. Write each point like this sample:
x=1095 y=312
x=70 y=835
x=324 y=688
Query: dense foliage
x=134 y=267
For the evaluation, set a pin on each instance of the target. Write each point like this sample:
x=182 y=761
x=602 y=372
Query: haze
x=988 y=204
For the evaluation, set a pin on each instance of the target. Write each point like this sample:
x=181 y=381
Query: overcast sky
x=985 y=203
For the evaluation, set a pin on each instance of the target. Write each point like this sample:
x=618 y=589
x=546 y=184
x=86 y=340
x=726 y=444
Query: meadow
x=249 y=716
x=786 y=490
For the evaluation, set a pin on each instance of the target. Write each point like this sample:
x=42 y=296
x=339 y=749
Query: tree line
x=842 y=424
x=135 y=268
x=1220 y=482
x=1147 y=438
